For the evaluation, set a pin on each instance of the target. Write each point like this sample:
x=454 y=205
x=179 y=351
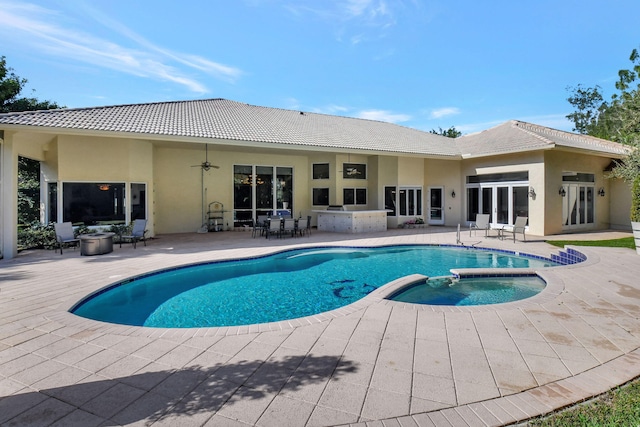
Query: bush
x=36 y=236
x=635 y=200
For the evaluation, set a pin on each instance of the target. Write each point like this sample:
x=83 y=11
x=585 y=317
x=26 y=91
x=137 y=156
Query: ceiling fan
x=206 y=165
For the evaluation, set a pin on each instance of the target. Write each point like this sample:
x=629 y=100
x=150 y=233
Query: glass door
x=436 y=208
x=501 y=208
x=577 y=206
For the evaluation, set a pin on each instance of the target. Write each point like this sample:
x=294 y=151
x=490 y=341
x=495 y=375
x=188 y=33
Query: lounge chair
x=518 y=227
x=482 y=223
x=138 y=232
x=65 y=236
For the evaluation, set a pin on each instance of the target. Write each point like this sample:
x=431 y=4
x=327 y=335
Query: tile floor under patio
x=373 y=363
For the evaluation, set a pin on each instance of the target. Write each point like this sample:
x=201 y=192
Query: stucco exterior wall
x=620 y=206
x=179 y=203
x=388 y=177
x=533 y=163
x=556 y=163
x=445 y=174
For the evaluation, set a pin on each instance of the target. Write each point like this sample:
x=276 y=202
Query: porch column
x=8 y=198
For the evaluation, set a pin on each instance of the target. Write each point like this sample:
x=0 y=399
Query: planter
x=635 y=226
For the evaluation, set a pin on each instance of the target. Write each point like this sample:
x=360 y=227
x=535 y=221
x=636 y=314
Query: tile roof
x=230 y=120
x=234 y=121
x=516 y=136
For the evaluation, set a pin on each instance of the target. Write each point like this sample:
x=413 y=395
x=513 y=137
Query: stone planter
x=635 y=226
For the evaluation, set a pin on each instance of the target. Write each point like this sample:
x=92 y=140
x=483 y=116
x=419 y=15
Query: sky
x=424 y=64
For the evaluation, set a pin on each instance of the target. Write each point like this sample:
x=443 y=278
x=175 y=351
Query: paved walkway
x=376 y=363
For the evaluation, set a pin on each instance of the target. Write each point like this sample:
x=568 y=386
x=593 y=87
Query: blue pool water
x=281 y=286
x=471 y=291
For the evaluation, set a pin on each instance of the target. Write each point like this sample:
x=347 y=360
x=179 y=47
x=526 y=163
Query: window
x=99 y=203
x=354 y=196
x=410 y=201
x=260 y=190
x=52 y=194
x=354 y=171
x=321 y=196
x=390 y=200
x=138 y=201
x=321 y=171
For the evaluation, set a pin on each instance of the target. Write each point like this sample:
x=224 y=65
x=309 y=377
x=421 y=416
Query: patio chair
x=289 y=226
x=138 y=232
x=257 y=228
x=482 y=223
x=517 y=227
x=65 y=236
x=274 y=227
x=303 y=226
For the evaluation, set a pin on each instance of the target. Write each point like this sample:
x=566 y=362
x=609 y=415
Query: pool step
x=568 y=256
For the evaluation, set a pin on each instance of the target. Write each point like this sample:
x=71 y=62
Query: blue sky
x=419 y=63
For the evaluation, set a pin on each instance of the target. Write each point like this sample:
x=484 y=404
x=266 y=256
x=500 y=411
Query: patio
x=372 y=363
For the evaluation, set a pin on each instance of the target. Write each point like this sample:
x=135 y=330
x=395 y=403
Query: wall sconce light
x=104 y=187
x=453 y=194
x=532 y=193
x=562 y=192
x=601 y=192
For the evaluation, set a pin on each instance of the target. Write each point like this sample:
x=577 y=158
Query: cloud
x=356 y=21
x=46 y=31
x=383 y=116
x=444 y=112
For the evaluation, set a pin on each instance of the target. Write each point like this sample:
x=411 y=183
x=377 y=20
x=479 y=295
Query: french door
x=503 y=202
x=577 y=205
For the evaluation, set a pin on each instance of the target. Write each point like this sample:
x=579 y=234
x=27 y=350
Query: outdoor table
x=96 y=243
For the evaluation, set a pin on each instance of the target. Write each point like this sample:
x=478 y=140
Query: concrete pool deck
x=375 y=363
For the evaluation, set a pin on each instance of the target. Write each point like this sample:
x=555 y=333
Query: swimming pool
x=284 y=285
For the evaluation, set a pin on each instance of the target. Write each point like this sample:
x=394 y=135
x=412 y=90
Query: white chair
x=65 y=236
x=518 y=227
x=482 y=223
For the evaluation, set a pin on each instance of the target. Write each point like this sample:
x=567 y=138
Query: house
x=169 y=161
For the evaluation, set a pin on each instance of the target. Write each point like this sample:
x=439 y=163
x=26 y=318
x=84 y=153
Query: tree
x=618 y=120
x=11 y=87
x=452 y=132
x=28 y=190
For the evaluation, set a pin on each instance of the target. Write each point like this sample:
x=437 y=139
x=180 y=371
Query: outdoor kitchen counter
x=352 y=221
